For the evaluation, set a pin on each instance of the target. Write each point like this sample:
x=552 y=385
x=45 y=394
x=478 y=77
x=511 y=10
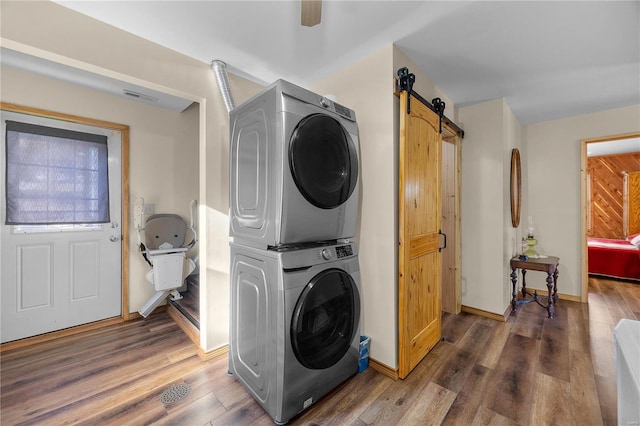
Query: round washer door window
x=325 y=319
x=323 y=161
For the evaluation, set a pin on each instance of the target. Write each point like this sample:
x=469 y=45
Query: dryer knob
x=326 y=254
x=325 y=102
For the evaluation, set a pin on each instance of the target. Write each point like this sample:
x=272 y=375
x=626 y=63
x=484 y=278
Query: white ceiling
x=547 y=59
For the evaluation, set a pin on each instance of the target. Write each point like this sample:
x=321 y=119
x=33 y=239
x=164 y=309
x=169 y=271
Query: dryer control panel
x=339 y=109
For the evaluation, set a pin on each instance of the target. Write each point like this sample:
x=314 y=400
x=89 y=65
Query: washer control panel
x=336 y=252
x=326 y=254
x=297 y=258
x=344 y=251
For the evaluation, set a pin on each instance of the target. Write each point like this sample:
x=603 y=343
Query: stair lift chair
x=165 y=250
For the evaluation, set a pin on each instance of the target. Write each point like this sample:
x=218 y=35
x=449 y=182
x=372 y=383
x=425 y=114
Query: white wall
x=482 y=210
x=551 y=195
x=488 y=238
x=512 y=134
x=553 y=178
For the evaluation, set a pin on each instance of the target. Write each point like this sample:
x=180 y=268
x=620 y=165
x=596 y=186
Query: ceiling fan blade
x=311 y=12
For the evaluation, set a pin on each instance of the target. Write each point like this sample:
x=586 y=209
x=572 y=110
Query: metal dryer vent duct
x=219 y=68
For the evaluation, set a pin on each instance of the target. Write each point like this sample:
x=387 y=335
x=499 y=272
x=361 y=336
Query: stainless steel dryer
x=294 y=168
x=295 y=323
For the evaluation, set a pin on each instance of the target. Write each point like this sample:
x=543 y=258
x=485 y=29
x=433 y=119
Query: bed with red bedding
x=615 y=258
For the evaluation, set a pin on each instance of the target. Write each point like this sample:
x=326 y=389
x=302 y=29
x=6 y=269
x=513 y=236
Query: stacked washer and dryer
x=295 y=279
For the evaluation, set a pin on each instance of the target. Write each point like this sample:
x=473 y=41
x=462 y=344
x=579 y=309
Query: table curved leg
x=514 y=294
x=550 y=286
x=555 y=285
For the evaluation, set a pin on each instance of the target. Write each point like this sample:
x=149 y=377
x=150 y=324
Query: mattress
x=614 y=258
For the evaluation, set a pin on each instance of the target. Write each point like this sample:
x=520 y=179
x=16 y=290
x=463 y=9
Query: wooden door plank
x=422 y=245
x=419 y=216
x=423 y=314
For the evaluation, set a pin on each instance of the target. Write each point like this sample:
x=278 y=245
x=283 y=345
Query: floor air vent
x=174 y=393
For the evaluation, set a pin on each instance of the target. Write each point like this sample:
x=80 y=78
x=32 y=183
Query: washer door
x=325 y=319
x=323 y=161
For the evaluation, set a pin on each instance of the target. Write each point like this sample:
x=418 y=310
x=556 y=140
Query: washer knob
x=326 y=254
x=325 y=102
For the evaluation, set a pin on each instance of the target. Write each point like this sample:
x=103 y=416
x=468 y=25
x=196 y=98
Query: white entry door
x=60 y=276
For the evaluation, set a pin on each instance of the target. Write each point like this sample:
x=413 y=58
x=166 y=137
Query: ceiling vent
x=140 y=96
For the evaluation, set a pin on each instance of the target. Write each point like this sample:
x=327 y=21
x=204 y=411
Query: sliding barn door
x=419 y=215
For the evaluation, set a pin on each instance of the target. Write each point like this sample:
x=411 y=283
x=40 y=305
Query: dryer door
x=325 y=319
x=323 y=161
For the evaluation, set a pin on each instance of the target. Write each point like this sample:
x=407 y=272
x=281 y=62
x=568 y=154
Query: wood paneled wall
x=633 y=203
x=606 y=189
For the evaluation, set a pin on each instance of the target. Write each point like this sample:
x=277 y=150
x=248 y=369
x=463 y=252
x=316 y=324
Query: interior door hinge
x=405 y=82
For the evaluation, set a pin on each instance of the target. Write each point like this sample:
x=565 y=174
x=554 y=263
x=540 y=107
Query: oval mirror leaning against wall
x=516 y=187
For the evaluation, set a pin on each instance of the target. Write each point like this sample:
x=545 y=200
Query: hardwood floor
x=528 y=371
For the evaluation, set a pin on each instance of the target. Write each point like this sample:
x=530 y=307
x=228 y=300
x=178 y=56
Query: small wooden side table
x=545 y=264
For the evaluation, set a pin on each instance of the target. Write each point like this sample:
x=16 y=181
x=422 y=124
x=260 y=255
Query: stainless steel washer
x=294 y=169
x=295 y=323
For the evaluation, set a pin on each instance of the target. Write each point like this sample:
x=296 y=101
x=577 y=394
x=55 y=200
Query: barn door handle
x=445 y=240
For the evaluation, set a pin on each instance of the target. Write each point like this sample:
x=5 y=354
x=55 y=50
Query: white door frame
x=124 y=274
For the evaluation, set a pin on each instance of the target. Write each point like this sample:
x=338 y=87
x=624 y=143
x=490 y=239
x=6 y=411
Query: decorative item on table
x=524 y=247
x=531 y=241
